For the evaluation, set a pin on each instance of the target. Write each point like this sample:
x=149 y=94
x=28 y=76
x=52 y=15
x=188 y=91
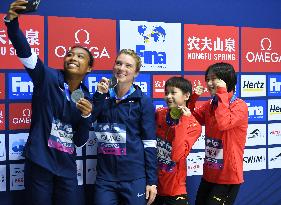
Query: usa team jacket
x=173 y=145
x=126 y=137
x=56 y=124
x=225 y=135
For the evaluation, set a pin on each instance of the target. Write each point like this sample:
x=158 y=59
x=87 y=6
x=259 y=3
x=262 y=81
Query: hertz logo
x=253 y=87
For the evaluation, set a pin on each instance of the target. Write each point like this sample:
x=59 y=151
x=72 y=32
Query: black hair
x=225 y=72
x=91 y=57
x=181 y=83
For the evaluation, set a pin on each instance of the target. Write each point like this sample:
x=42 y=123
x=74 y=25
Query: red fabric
x=228 y=124
x=181 y=137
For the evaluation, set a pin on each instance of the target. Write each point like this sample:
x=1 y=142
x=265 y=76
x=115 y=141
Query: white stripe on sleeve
x=149 y=143
x=31 y=61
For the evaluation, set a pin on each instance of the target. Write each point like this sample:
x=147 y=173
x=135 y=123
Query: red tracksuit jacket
x=225 y=137
x=173 y=146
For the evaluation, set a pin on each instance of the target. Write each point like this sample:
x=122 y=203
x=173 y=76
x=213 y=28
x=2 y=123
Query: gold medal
x=175 y=113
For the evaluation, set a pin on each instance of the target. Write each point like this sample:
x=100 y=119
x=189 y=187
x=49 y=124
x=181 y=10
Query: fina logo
x=155 y=35
x=275 y=85
x=21 y=86
x=255 y=112
x=92 y=84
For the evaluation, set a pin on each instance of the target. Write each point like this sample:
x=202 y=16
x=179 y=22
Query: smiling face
x=174 y=97
x=125 y=69
x=76 y=62
x=211 y=81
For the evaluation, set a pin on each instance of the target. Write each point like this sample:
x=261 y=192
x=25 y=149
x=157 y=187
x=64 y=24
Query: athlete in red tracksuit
x=226 y=120
x=175 y=138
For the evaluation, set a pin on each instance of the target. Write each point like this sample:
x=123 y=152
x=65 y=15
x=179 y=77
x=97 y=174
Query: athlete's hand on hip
x=151 y=191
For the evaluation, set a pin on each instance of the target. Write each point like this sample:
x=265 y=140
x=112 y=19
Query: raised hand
x=220 y=83
x=102 y=86
x=184 y=110
x=199 y=89
x=14 y=7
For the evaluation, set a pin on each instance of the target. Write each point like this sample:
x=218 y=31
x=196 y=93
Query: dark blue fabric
x=49 y=102
x=136 y=112
x=115 y=193
x=44 y=188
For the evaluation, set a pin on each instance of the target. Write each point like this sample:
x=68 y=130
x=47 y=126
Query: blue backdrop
x=260 y=187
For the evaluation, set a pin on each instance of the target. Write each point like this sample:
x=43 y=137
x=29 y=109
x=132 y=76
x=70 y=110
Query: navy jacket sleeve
x=24 y=52
x=148 y=132
x=81 y=132
x=98 y=102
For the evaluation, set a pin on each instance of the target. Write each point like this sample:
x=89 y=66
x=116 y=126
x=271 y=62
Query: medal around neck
x=113 y=82
x=76 y=95
x=175 y=113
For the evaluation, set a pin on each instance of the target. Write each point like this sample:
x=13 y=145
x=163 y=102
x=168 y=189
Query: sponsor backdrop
x=179 y=42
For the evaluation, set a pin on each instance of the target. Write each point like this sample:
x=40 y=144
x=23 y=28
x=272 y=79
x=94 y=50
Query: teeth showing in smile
x=72 y=65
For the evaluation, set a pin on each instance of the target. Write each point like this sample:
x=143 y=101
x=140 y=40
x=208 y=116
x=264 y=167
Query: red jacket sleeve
x=186 y=133
x=228 y=115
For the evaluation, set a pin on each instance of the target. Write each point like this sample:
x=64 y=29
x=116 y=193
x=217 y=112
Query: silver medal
x=76 y=95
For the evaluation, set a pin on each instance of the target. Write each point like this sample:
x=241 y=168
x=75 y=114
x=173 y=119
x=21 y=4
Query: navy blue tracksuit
x=126 y=147
x=56 y=128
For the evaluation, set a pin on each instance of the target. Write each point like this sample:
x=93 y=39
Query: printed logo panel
x=253 y=85
x=208 y=44
x=159 y=103
x=16 y=145
x=2 y=86
x=143 y=81
x=194 y=163
x=274 y=85
x=79 y=164
x=91 y=81
x=92 y=144
x=274 y=157
x=16 y=177
x=2 y=116
x=256 y=135
x=98 y=35
x=200 y=142
x=33 y=29
x=274 y=109
x=157 y=43
x=254 y=159
x=159 y=85
x=3 y=178
x=19 y=116
x=2 y=148
x=274 y=134
x=256 y=110
x=195 y=81
x=91 y=171
x=261 y=51
x=79 y=151
x=20 y=86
